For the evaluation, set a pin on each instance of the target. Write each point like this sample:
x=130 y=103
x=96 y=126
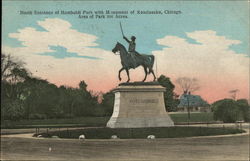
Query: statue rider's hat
x=133 y=37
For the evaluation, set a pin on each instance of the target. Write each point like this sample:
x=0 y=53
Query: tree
x=83 y=85
x=41 y=98
x=13 y=74
x=170 y=97
x=63 y=102
x=229 y=110
x=188 y=85
x=6 y=65
x=77 y=101
x=12 y=110
x=12 y=70
x=234 y=93
x=108 y=103
x=245 y=108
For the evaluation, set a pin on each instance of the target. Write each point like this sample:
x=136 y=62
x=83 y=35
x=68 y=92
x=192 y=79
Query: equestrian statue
x=131 y=59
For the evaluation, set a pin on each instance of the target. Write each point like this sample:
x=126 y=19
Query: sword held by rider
x=131 y=49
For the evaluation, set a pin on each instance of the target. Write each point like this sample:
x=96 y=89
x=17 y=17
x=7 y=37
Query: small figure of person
x=131 y=49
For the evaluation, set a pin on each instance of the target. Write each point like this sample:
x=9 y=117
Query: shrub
x=229 y=111
x=245 y=108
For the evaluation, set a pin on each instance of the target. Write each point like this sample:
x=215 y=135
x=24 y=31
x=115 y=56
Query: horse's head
x=116 y=48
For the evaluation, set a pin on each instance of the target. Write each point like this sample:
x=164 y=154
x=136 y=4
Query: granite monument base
x=139 y=105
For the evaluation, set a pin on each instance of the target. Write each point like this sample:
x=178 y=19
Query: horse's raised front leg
x=119 y=75
x=128 y=75
x=146 y=73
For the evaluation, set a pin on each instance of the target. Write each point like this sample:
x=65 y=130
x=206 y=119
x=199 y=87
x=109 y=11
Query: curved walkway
x=227 y=147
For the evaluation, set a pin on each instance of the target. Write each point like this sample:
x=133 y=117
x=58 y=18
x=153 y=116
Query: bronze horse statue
x=146 y=61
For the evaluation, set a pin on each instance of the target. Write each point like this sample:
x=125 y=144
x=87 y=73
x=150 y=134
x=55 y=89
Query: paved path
x=22 y=147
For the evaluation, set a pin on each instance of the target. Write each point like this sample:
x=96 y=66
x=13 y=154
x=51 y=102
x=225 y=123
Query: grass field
x=69 y=122
x=97 y=121
x=194 y=117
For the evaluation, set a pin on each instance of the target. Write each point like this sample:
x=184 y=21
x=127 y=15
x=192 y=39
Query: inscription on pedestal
x=145 y=101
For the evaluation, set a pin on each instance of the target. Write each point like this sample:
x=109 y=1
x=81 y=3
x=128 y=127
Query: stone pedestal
x=139 y=105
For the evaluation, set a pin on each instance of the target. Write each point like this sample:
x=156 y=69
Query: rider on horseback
x=131 y=50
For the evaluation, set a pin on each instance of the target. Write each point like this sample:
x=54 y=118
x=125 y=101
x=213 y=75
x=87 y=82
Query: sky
x=208 y=40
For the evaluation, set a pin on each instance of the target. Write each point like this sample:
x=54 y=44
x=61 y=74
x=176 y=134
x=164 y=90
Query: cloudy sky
x=208 y=41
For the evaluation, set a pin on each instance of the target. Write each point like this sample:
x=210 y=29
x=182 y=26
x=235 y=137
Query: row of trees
x=26 y=97
x=37 y=98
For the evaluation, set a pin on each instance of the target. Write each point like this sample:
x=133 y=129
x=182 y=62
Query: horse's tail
x=151 y=64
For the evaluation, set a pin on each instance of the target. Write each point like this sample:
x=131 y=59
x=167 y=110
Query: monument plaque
x=139 y=105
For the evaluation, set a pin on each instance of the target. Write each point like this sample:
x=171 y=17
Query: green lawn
x=70 y=122
x=194 y=117
x=97 y=121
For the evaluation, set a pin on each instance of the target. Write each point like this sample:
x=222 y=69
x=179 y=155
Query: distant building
x=194 y=102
